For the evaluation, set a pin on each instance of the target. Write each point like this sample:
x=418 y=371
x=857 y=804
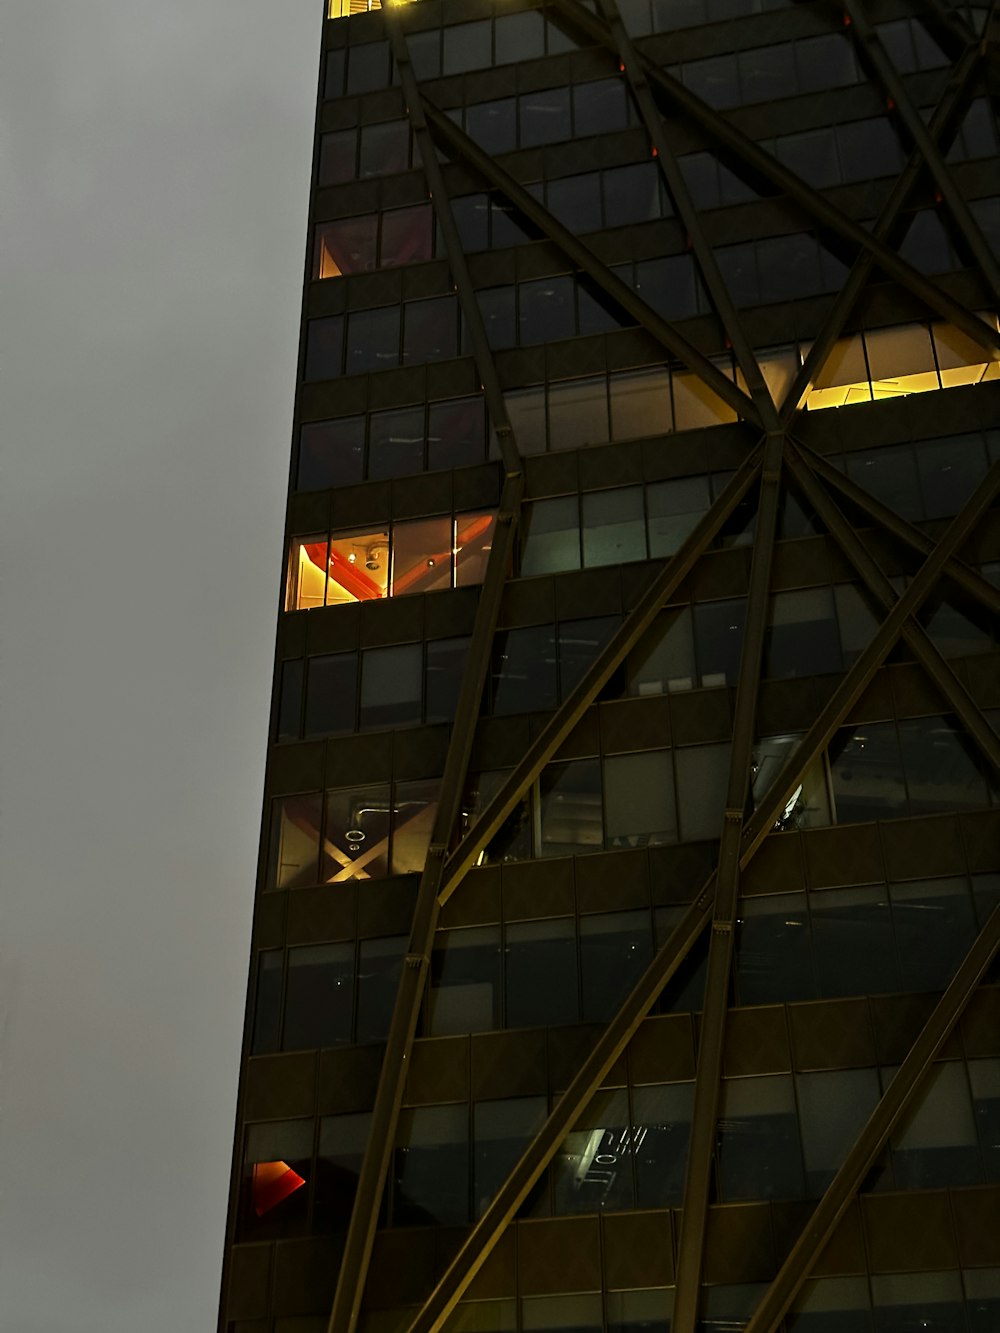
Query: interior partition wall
x=629 y=887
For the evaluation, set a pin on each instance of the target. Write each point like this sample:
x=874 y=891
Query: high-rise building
x=631 y=851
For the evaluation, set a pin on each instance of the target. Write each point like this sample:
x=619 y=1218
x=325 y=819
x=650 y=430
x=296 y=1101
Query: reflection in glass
x=465 y=981
x=431 y=1167
x=661 y=1121
x=593 y=1168
x=501 y=1131
x=319 y=996
x=570 y=808
x=356 y=836
x=295 y=822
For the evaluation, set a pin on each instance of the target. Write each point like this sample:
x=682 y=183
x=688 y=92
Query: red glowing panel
x=273 y=1182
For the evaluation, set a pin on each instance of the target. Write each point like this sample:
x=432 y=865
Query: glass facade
x=649 y=361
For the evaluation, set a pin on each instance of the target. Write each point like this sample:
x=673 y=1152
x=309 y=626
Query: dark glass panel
x=493 y=125
x=757 y=1146
x=639 y=808
x=788 y=267
x=935 y=925
x=368 y=67
x=501 y=1132
x=738 y=267
x=472 y=218
x=430 y=331
x=467 y=46
x=576 y=201
x=615 y=949
x=396 y=443
x=811 y=154
x=319 y=996
x=774 y=950
x=866 y=773
x=465 y=981
x=379 y=965
x=342 y=1142
x=593 y=1169
x=614 y=529
x=918 y=1303
x=336 y=66
x=568 y=1314
x=718 y=638
x=290 y=701
x=599 y=108
x=385 y=148
x=540 y=964
x=949 y=471
x=631 y=194
x=497 y=307
x=356 y=842
x=868 y=148
x=664 y=658
x=519 y=37
x=445 y=668
x=507 y=225
x=802 y=637
x=832 y=1305
x=984 y=1079
x=702 y=778
x=825 y=62
x=853 y=942
x=277 y=1162
x=406 y=235
x=331 y=694
x=767 y=73
x=833 y=1107
x=372 y=339
x=431 y=1169
x=331 y=453
x=942 y=769
x=544 y=117
x=524 y=678
x=324 y=348
x=936 y=1144
x=456 y=433
x=425 y=53
x=422 y=555
x=889 y=475
x=473 y=543
x=570 y=801
x=267 y=1002
x=578 y=413
x=673 y=509
x=661 y=1127
x=338 y=157
x=391 y=687
x=547 y=310
x=715 y=80
x=580 y=641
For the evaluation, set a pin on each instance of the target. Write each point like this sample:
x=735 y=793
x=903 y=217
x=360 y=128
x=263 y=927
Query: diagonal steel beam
x=969 y=580
x=711 y=1036
x=815 y=204
x=462 y=145
x=690 y=216
x=943 y=125
x=894 y=89
x=895 y=1102
x=569 y=712
x=868 y=570
x=518 y=1184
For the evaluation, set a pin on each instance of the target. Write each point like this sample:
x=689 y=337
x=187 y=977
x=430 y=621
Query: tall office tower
x=631 y=852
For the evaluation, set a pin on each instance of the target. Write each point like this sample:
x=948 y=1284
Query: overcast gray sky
x=154 y=170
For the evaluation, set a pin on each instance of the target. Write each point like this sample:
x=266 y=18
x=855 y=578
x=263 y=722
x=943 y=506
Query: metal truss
x=776 y=457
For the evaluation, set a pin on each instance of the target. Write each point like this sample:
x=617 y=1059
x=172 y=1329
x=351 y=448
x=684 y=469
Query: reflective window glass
x=342 y=1143
x=445 y=669
x=519 y=37
x=331 y=693
x=578 y=413
x=702 y=776
x=407 y=235
x=674 y=508
x=718 y=639
x=524 y=678
x=661 y=1120
x=385 y=148
x=866 y=774
x=773 y=950
x=501 y=1131
x=396 y=442
x=425 y=53
x=465 y=981
x=580 y=641
x=935 y=924
x=868 y=148
x=802 y=638
x=324 y=348
x=372 y=339
x=984 y=1079
x=472 y=545
x=546 y=310
x=336 y=68
x=570 y=1314
x=757 y=1148
x=640 y=404
x=277 y=1161
x=911 y=1302
x=853 y=942
x=833 y=1107
x=497 y=305
x=289 y=722
x=936 y=1144
x=430 y=330
x=599 y=108
x=391 y=687
x=331 y=453
x=615 y=950
x=431 y=1167
x=421 y=555
x=551 y=540
x=696 y=405
x=346 y=246
x=949 y=470
x=631 y=194
x=267 y=1002
x=319 y=996
x=664 y=658
x=639 y=799
x=890 y=475
x=467 y=46
x=540 y=972
x=942 y=768
x=295 y=824
x=379 y=964
x=526 y=409
x=715 y=80
x=493 y=125
x=337 y=157
x=839 y=1303
x=544 y=117
x=647 y=1310
x=368 y=67
x=472 y=218
x=570 y=806
x=614 y=529
x=576 y=201
x=456 y=433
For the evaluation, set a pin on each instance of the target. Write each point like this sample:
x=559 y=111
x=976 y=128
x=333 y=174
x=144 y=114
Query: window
x=758 y=1141
x=391 y=687
x=465 y=981
x=501 y=1131
x=331 y=688
x=331 y=453
x=661 y=1119
x=342 y=1143
x=593 y=1169
x=613 y=526
x=615 y=950
x=639 y=799
x=431 y=1169
x=570 y=808
x=319 y=996
x=277 y=1161
x=541 y=973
